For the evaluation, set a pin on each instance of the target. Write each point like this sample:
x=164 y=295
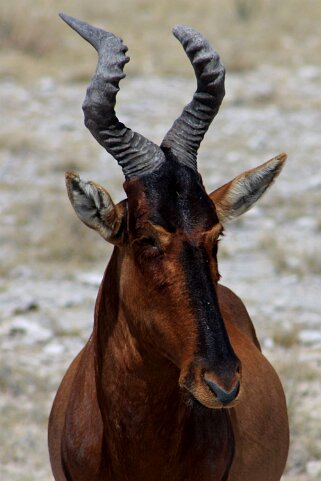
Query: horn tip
x=66 y=18
x=180 y=29
x=75 y=24
x=86 y=31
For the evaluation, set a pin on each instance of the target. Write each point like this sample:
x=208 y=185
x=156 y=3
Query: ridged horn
x=134 y=153
x=187 y=132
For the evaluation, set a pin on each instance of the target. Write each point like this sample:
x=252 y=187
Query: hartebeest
x=172 y=384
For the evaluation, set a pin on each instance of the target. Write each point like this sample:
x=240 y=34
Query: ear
x=238 y=196
x=95 y=208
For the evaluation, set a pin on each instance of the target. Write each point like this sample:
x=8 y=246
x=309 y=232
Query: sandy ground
x=51 y=266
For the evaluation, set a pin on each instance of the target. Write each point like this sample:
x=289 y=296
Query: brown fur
x=119 y=413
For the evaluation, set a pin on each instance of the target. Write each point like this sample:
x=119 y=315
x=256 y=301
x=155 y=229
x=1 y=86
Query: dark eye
x=214 y=249
x=146 y=241
x=215 y=244
x=148 y=247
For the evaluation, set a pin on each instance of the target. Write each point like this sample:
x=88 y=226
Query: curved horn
x=187 y=132
x=134 y=153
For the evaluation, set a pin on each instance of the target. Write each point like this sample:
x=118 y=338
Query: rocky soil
x=51 y=266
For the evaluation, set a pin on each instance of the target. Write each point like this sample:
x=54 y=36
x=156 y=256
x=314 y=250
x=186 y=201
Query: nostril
x=223 y=396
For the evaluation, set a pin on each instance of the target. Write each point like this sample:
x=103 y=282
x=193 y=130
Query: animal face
x=167 y=232
x=169 y=279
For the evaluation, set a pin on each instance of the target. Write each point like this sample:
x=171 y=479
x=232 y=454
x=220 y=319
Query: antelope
x=172 y=384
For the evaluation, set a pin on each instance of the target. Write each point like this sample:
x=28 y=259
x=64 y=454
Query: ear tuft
x=93 y=205
x=239 y=195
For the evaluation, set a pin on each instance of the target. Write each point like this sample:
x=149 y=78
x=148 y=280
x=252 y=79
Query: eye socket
x=215 y=249
x=146 y=241
x=148 y=247
x=216 y=242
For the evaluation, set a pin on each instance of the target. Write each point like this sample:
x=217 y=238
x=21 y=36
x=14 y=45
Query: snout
x=223 y=396
x=212 y=390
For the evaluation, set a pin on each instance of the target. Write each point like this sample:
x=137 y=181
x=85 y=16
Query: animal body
x=172 y=384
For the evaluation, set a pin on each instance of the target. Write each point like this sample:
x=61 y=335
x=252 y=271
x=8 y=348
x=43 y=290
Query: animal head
x=168 y=228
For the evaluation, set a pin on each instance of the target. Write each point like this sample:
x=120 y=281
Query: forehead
x=173 y=197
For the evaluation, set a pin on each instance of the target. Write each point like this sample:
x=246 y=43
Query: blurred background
x=51 y=265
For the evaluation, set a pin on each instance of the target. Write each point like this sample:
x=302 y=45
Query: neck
x=146 y=417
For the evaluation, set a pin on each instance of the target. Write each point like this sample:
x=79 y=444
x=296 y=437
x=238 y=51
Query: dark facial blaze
x=172 y=219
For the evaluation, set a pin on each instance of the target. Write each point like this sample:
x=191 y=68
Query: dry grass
x=20 y=142
x=286 y=337
x=299 y=378
x=302 y=259
x=53 y=238
x=245 y=32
